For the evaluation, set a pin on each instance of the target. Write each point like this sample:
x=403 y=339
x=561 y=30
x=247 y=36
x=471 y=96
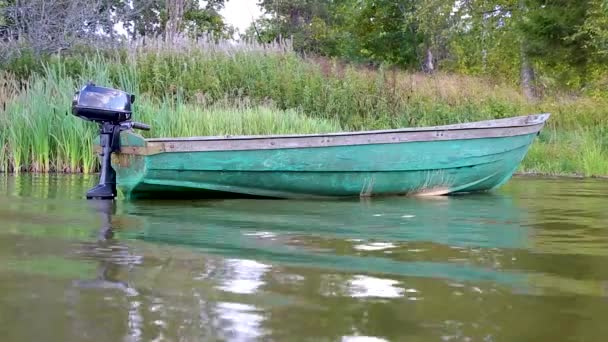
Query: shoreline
x=271 y=100
x=524 y=174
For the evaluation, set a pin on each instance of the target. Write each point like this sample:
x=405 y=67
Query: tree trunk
x=526 y=72
x=484 y=51
x=429 y=66
x=175 y=12
x=527 y=75
x=294 y=18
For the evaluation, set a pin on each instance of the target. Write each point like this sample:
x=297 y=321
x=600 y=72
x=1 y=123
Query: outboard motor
x=111 y=109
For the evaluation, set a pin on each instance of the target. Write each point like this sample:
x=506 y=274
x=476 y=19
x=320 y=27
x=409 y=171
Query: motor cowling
x=101 y=104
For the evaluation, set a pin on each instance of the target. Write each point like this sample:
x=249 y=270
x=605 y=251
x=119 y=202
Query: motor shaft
x=110 y=142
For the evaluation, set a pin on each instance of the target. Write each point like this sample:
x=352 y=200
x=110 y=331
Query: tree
x=434 y=20
x=48 y=26
x=596 y=27
x=399 y=32
x=551 y=32
x=173 y=17
x=537 y=43
x=387 y=33
x=206 y=19
x=294 y=19
x=4 y=19
x=148 y=21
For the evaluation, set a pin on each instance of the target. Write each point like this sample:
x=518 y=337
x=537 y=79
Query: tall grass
x=581 y=152
x=178 y=119
x=204 y=73
x=39 y=134
x=191 y=89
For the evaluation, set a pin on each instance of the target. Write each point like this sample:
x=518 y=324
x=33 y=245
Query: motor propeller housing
x=111 y=109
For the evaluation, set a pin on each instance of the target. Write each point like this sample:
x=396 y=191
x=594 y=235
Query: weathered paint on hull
x=427 y=167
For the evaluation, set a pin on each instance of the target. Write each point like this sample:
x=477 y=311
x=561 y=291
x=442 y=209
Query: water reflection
x=243 y=276
x=362 y=339
x=348 y=235
x=240 y=322
x=365 y=286
x=114 y=259
x=111 y=255
x=502 y=266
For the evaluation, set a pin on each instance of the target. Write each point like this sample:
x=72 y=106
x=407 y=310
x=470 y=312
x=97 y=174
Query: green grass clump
x=582 y=152
x=178 y=119
x=39 y=134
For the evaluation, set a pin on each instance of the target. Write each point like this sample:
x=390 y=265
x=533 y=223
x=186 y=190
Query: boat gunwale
x=511 y=122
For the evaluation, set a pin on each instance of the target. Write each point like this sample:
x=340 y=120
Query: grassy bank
x=39 y=134
x=186 y=90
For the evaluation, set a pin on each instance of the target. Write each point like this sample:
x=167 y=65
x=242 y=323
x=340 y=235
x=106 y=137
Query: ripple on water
x=498 y=267
x=263 y=235
x=375 y=246
x=239 y=322
x=243 y=276
x=362 y=339
x=366 y=286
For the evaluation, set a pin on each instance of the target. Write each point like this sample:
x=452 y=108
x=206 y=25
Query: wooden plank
x=520 y=121
x=151 y=149
x=343 y=140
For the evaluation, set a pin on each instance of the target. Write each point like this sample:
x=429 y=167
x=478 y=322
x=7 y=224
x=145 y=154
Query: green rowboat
x=439 y=160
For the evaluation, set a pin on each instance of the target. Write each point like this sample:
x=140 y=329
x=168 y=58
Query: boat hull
x=202 y=168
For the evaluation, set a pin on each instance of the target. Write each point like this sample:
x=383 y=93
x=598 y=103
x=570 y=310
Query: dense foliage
x=563 y=43
x=543 y=45
x=309 y=65
x=42 y=27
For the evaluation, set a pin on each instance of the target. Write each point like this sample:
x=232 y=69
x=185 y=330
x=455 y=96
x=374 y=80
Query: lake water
x=527 y=263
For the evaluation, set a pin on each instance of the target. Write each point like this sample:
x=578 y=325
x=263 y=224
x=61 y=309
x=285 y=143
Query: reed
x=581 y=152
x=39 y=134
x=593 y=152
x=197 y=88
x=178 y=119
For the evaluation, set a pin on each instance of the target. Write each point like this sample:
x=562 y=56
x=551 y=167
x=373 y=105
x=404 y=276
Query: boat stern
x=130 y=162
